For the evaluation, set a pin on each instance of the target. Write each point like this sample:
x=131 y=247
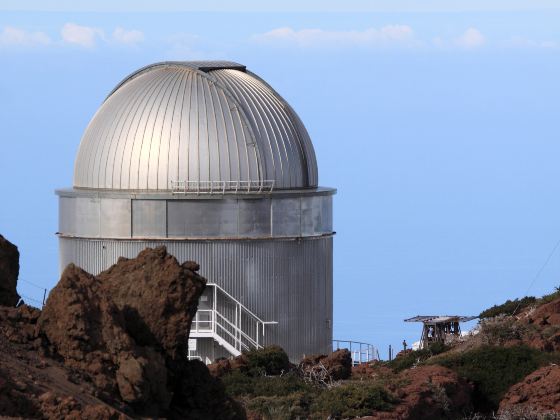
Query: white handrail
x=237 y=332
x=239 y=303
x=364 y=353
x=222 y=187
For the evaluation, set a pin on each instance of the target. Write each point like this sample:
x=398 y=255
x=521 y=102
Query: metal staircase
x=229 y=323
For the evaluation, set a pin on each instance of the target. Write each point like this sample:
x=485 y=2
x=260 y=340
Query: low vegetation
x=494 y=369
x=354 y=400
x=415 y=357
x=269 y=386
x=478 y=373
x=270 y=360
x=511 y=307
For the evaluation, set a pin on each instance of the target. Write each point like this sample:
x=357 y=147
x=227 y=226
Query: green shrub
x=494 y=369
x=238 y=384
x=271 y=360
x=408 y=360
x=293 y=406
x=353 y=400
x=508 y=307
x=550 y=297
x=501 y=329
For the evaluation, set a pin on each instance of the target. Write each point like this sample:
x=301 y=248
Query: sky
x=436 y=121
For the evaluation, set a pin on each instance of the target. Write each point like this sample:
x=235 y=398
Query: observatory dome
x=202 y=125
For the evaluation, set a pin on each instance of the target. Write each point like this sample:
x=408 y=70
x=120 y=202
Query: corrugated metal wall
x=289 y=281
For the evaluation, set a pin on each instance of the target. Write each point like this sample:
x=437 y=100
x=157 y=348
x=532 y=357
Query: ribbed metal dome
x=199 y=123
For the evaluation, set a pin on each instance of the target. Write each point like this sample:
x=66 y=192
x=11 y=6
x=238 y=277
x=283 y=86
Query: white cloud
x=129 y=37
x=519 y=42
x=389 y=34
x=83 y=36
x=11 y=36
x=471 y=38
x=186 y=46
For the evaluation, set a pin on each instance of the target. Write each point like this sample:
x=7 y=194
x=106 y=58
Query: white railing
x=361 y=352
x=230 y=323
x=221 y=187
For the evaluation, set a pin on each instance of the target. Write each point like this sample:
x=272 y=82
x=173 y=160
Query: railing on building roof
x=222 y=187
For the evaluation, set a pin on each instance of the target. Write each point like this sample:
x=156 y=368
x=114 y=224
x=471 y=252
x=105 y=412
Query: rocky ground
x=107 y=346
x=509 y=370
x=113 y=346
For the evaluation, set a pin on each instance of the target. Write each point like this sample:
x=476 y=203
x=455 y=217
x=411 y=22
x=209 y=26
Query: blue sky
x=437 y=122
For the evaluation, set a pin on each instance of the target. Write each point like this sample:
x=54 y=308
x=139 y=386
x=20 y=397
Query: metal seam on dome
x=282 y=129
x=234 y=139
x=93 y=144
x=94 y=152
x=192 y=88
x=225 y=136
x=212 y=89
x=302 y=134
x=162 y=82
x=286 y=139
x=145 y=158
x=180 y=90
x=290 y=131
x=103 y=158
x=120 y=121
x=263 y=115
x=178 y=78
x=130 y=117
x=265 y=124
x=110 y=154
x=247 y=109
x=206 y=127
x=198 y=112
x=155 y=102
x=245 y=126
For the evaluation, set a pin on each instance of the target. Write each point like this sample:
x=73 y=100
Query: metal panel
x=254 y=218
x=149 y=218
x=326 y=214
x=289 y=281
x=67 y=215
x=316 y=212
x=110 y=217
x=115 y=218
x=286 y=217
x=201 y=218
x=174 y=122
x=87 y=216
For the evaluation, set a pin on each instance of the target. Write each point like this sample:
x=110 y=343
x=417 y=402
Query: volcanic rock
x=9 y=271
x=18 y=324
x=125 y=331
x=338 y=364
x=158 y=298
x=545 y=322
x=428 y=392
x=539 y=391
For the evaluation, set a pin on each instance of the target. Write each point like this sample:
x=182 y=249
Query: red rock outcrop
x=545 y=322
x=538 y=392
x=9 y=271
x=338 y=364
x=125 y=331
x=428 y=392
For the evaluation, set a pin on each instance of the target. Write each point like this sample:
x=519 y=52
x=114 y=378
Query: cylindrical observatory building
x=208 y=160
